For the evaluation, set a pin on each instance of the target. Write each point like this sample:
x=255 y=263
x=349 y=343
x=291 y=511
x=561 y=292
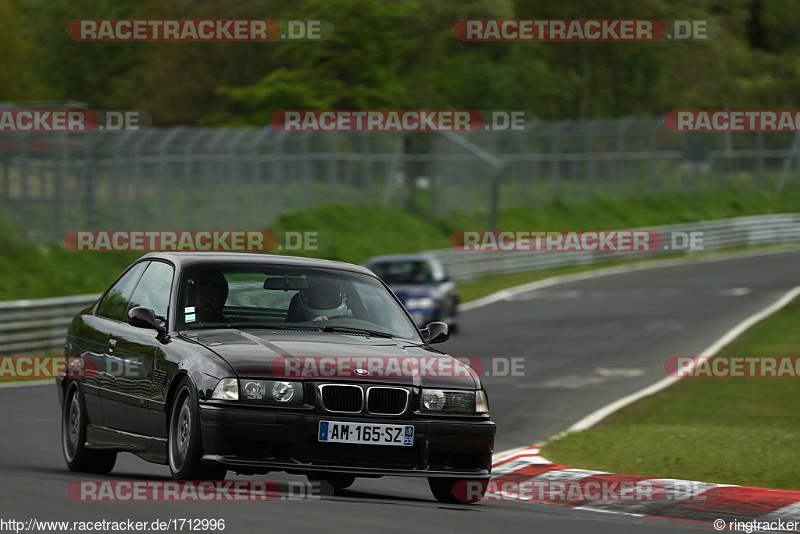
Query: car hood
x=264 y=353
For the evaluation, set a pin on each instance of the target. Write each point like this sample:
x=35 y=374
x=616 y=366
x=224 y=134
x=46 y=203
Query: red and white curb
x=676 y=499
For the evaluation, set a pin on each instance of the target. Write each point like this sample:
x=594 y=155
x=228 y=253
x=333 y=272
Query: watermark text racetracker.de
x=199 y=29
x=597 y=488
x=194 y=240
x=733 y=367
x=192 y=490
x=371 y=367
x=406 y=120
x=733 y=120
x=584 y=30
x=29 y=367
x=84 y=120
x=576 y=241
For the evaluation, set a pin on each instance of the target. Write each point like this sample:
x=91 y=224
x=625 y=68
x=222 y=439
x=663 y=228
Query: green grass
x=35 y=271
x=357 y=232
x=725 y=430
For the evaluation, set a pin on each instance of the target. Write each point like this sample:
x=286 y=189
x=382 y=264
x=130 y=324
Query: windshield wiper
x=351 y=330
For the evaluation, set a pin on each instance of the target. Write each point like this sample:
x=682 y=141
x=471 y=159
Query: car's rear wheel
x=337 y=480
x=73 y=437
x=184 y=443
x=457 y=491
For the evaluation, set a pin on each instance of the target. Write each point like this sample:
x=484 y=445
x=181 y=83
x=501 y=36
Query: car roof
x=402 y=257
x=192 y=259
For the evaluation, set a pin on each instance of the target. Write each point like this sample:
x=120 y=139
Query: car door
x=93 y=335
x=136 y=355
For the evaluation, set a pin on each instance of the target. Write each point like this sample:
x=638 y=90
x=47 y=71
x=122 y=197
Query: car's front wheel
x=73 y=437
x=184 y=444
x=457 y=491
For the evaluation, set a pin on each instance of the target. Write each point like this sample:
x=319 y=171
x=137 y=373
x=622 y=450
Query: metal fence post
x=258 y=190
x=366 y=167
x=188 y=161
x=58 y=186
x=651 y=141
x=233 y=178
x=305 y=165
x=24 y=183
x=760 y=159
x=556 y=161
x=162 y=173
x=333 y=168
x=91 y=182
x=208 y=179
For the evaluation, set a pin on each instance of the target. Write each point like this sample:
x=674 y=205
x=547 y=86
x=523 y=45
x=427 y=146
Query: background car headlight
x=273 y=391
x=447 y=401
x=227 y=389
x=420 y=303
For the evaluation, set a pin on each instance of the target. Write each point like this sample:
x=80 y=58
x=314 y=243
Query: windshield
x=289 y=297
x=404 y=272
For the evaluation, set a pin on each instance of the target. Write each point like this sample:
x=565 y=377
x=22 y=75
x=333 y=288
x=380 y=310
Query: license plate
x=366 y=434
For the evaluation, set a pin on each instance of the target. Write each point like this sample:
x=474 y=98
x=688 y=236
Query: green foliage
x=402 y=54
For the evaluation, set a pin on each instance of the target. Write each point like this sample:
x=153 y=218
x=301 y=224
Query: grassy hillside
x=358 y=232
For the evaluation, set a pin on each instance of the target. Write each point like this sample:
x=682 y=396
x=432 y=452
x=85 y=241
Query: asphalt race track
x=585 y=344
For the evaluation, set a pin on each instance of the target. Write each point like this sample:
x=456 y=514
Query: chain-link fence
x=203 y=178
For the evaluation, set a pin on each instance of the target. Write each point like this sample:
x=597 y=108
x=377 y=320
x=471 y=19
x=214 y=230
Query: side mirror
x=436 y=332
x=144 y=318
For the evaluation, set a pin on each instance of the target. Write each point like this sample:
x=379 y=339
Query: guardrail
x=40 y=325
x=717 y=235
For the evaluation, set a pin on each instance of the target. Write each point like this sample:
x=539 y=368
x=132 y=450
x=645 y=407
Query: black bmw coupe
x=210 y=362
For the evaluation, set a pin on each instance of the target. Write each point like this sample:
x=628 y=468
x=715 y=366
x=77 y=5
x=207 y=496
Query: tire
x=339 y=481
x=184 y=443
x=443 y=490
x=73 y=437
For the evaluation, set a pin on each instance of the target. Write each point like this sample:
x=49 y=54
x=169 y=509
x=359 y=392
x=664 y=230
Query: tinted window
x=115 y=303
x=404 y=272
x=154 y=289
x=294 y=297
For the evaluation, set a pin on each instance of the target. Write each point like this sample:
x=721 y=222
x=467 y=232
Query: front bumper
x=252 y=441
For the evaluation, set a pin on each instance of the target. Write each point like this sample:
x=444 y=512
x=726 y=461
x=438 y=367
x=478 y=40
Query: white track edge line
x=598 y=415
x=608 y=271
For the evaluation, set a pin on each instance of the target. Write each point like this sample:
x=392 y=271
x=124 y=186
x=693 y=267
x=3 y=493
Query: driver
x=323 y=300
x=210 y=294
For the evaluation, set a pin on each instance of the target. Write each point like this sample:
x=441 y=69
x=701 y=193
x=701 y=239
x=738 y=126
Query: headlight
x=439 y=400
x=284 y=391
x=227 y=389
x=481 y=402
x=273 y=391
x=420 y=303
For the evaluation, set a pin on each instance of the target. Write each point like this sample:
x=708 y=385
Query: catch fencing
x=245 y=178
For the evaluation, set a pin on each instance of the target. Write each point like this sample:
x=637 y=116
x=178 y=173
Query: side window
x=115 y=303
x=154 y=288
